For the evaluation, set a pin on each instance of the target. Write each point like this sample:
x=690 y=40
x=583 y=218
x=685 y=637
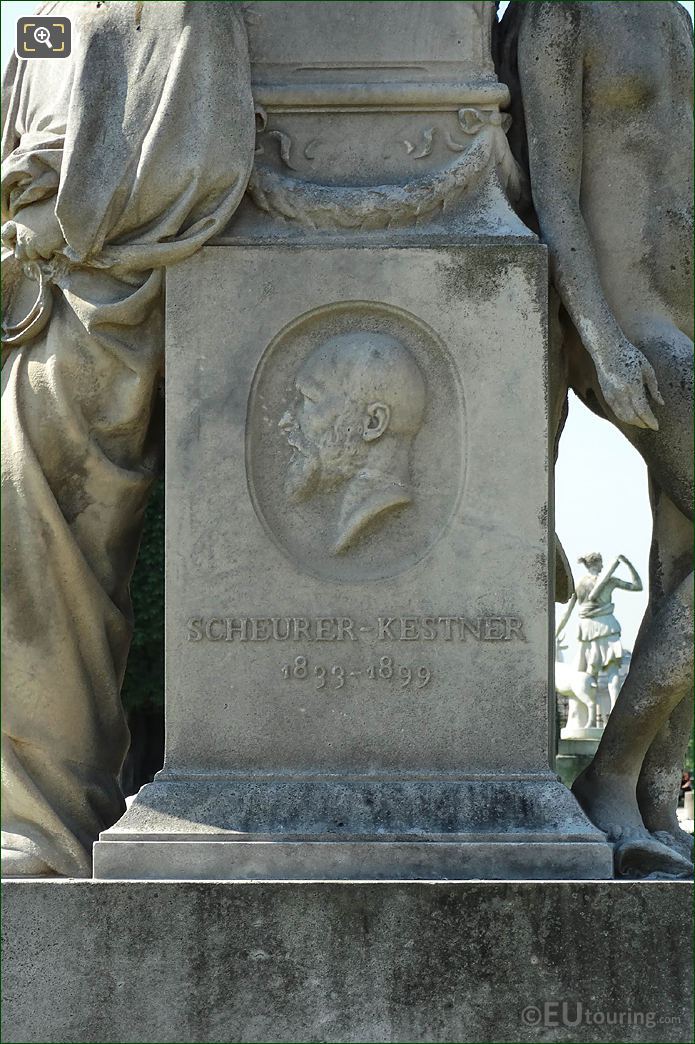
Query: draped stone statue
x=131 y=154
x=600 y=648
x=125 y=157
x=604 y=91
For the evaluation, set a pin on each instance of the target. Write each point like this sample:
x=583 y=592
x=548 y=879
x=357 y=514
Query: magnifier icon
x=43 y=36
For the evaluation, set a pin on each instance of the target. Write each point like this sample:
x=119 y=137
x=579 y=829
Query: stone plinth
x=342 y=675
x=359 y=519
x=431 y=961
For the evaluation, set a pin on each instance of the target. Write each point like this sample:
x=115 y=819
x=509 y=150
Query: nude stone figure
x=607 y=103
x=360 y=403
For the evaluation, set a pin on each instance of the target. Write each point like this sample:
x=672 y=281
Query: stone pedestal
x=371 y=962
x=358 y=505
x=382 y=710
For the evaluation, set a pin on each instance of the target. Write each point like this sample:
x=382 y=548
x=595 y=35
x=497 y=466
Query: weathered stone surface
x=354 y=590
x=376 y=118
x=292 y=962
x=434 y=587
x=114 y=165
x=358 y=538
x=603 y=117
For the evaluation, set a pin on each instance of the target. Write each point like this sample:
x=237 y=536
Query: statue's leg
x=613 y=682
x=593 y=706
x=661 y=671
x=583 y=704
x=668 y=455
x=77 y=468
x=659 y=781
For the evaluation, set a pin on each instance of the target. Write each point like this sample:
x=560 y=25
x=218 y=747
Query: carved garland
x=392 y=206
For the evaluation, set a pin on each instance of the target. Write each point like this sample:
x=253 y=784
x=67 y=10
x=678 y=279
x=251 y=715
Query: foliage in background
x=143 y=687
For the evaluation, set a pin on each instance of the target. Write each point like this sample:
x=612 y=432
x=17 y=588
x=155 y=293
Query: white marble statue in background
x=600 y=647
x=581 y=692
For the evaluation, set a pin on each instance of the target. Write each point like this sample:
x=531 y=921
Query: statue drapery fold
x=144 y=139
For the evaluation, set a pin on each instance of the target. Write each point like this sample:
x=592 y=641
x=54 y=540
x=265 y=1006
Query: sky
x=598 y=507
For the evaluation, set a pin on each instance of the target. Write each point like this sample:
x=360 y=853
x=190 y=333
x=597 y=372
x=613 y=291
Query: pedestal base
x=353 y=829
x=427 y=961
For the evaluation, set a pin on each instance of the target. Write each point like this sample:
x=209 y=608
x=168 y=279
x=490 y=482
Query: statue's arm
x=635 y=583
x=565 y=616
x=30 y=176
x=146 y=183
x=606 y=580
x=551 y=74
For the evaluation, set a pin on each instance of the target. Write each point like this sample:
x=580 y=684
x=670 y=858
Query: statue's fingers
x=45 y=252
x=643 y=411
x=8 y=234
x=628 y=411
x=652 y=383
x=623 y=408
x=24 y=250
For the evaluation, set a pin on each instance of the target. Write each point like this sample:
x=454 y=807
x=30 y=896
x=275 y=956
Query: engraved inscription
x=360 y=401
x=334 y=676
x=493 y=628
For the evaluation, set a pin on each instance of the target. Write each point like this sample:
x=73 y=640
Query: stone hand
x=34 y=233
x=623 y=373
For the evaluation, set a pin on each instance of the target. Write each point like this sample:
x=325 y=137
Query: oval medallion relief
x=355 y=441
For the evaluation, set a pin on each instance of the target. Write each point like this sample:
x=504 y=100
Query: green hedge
x=143 y=686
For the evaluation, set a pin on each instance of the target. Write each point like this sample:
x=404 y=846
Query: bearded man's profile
x=360 y=402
